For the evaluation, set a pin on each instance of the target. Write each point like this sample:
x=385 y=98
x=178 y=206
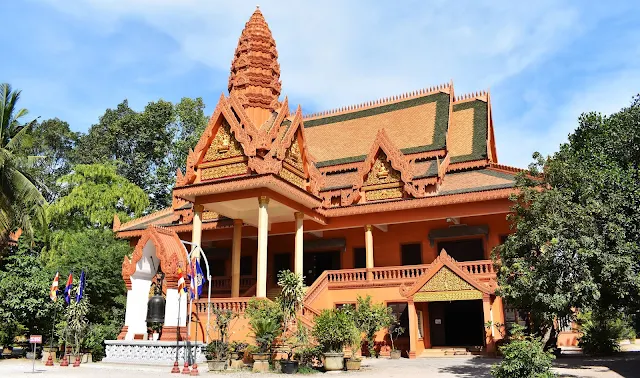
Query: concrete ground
x=623 y=365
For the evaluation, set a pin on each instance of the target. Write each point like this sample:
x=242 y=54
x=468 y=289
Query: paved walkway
x=624 y=365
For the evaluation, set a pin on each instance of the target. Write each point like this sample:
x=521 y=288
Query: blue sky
x=545 y=62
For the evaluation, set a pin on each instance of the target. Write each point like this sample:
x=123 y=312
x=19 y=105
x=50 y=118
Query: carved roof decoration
x=169 y=250
x=425 y=148
x=449 y=275
x=255 y=72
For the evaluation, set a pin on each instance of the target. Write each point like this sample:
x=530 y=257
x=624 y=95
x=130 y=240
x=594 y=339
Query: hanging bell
x=155 y=309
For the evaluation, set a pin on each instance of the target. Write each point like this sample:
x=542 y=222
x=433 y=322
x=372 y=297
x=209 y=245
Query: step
x=445 y=352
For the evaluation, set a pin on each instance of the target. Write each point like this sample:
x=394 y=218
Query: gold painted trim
x=442 y=296
x=218 y=163
x=382 y=186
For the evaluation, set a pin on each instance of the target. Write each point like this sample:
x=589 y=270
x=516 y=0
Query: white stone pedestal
x=151 y=352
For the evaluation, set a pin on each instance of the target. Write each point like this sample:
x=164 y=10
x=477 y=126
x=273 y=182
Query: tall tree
x=146 y=147
x=53 y=141
x=21 y=203
x=92 y=195
x=577 y=239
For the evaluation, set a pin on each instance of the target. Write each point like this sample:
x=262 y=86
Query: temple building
x=401 y=198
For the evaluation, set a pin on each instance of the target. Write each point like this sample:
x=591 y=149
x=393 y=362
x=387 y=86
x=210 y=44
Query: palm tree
x=21 y=203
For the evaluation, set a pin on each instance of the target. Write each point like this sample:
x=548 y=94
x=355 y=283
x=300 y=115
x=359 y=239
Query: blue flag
x=80 y=288
x=67 y=288
x=200 y=280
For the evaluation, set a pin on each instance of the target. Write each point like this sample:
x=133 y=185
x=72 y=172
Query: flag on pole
x=67 y=289
x=192 y=284
x=200 y=279
x=53 y=293
x=80 y=288
x=181 y=287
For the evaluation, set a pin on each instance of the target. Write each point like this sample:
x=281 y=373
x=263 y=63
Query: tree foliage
x=91 y=196
x=146 y=147
x=21 y=203
x=577 y=227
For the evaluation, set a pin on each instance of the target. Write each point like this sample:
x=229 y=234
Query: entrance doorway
x=314 y=263
x=463 y=250
x=281 y=261
x=457 y=323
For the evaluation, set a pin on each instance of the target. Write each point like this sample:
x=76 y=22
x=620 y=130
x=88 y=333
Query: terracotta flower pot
x=333 y=361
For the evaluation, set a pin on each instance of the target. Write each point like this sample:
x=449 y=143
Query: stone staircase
x=273 y=293
x=445 y=352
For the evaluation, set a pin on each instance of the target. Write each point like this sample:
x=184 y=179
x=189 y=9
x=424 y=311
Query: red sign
x=35 y=339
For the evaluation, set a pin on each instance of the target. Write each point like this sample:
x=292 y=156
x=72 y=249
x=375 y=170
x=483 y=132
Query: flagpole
x=53 y=328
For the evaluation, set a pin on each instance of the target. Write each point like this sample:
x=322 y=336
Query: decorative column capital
x=486 y=297
x=198 y=208
x=263 y=200
x=299 y=215
x=237 y=223
x=368 y=227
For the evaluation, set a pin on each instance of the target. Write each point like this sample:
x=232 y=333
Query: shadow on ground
x=627 y=364
x=473 y=367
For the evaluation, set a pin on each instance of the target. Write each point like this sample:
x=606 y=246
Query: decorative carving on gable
x=382 y=172
x=383 y=181
x=446 y=280
x=293 y=178
x=224 y=145
x=294 y=157
x=224 y=171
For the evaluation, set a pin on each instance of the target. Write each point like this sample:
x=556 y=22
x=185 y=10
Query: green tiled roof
x=480 y=129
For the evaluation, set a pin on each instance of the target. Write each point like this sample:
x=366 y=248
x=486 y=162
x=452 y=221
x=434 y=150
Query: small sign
x=438 y=321
x=35 y=339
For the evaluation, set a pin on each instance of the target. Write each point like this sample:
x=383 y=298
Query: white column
x=235 y=258
x=263 y=232
x=171 y=309
x=136 y=311
x=196 y=233
x=368 y=242
x=299 y=244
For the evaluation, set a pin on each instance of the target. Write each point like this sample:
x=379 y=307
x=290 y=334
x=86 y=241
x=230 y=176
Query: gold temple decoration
x=383 y=181
x=224 y=145
x=445 y=285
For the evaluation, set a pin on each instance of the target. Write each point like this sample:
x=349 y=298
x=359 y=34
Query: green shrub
x=263 y=309
x=601 y=333
x=333 y=329
x=265 y=331
x=217 y=350
x=370 y=318
x=524 y=357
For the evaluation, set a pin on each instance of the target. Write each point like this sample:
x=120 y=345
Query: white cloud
x=336 y=53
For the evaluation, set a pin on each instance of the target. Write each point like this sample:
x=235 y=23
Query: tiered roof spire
x=255 y=72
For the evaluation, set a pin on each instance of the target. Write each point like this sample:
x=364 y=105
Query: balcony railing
x=223 y=283
x=237 y=305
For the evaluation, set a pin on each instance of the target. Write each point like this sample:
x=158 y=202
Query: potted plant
x=290 y=301
x=355 y=344
x=371 y=318
x=237 y=350
x=333 y=329
x=395 y=330
x=217 y=351
x=217 y=354
x=265 y=319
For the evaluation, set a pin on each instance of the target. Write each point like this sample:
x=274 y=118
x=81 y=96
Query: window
x=411 y=254
x=217 y=268
x=420 y=325
x=246 y=265
x=339 y=306
x=401 y=312
x=359 y=258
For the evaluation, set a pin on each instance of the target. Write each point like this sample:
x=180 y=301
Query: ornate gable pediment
x=445 y=281
x=383 y=181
